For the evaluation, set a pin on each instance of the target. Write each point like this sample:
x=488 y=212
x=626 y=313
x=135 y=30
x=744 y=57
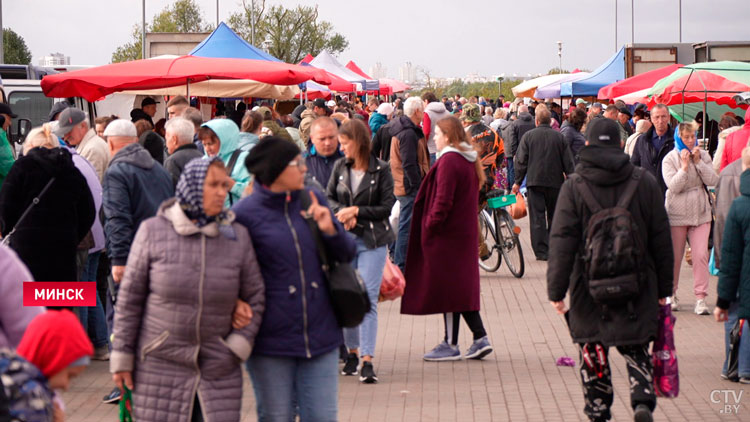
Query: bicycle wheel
x=489 y=235
x=509 y=244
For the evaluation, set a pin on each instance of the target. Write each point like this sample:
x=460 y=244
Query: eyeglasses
x=299 y=163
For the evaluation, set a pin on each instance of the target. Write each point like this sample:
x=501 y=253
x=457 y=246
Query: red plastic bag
x=392 y=286
x=666 y=373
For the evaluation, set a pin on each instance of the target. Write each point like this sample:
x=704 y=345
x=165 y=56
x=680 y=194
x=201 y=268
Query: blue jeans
x=433 y=157
x=280 y=381
x=404 y=223
x=744 y=361
x=511 y=173
x=92 y=318
x=369 y=263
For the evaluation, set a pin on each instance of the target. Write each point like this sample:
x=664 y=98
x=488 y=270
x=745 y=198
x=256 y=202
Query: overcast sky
x=448 y=37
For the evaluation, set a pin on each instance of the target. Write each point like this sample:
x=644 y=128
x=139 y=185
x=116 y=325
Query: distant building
x=407 y=73
x=475 y=77
x=55 y=59
x=378 y=71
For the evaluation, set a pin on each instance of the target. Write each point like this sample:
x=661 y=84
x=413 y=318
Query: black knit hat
x=603 y=132
x=269 y=158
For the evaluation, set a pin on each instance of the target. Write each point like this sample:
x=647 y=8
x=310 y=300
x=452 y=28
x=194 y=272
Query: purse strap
x=305 y=203
x=29 y=208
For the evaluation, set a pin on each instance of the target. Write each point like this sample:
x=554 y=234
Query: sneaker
x=350 y=367
x=443 y=351
x=101 y=353
x=744 y=380
x=642 y=414
x=701 y=308
x=724 y=376
x=675 y=303
x=479 y=349
x=113 y=397
x=368 y=373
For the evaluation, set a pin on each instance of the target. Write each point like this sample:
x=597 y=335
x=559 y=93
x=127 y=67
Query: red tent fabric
x=354 y=68
x=701 y=86
x=307 y=59
x=636 y=83
x=97 y=82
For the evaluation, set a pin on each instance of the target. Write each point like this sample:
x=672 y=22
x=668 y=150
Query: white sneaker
x=675 y=303
x=701 y=308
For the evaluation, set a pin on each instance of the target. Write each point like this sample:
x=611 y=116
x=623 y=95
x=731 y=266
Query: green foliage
x=15 y=50
x=482 y=89
x=292 y=32
x=557 y=71
x=131 y=50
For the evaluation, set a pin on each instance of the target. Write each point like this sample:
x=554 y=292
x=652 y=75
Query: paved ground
x=518 y=382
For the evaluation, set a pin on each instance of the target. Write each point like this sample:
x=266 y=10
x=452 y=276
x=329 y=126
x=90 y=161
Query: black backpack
x=613 y=250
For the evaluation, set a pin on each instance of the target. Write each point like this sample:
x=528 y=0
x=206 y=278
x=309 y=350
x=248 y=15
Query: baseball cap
x=581 y=101
x=625 y=110
x=471 y=113
x=385 y=109
x=5 y=109
x=148 y=101
x=604 y=132
x=597 y=105
x=68 y=119
x=121 y=127
x=322 y=104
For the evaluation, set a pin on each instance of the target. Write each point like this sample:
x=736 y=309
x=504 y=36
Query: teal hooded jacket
x=228 y=134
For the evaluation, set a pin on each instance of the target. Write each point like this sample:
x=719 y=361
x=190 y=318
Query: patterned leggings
x=597 y=378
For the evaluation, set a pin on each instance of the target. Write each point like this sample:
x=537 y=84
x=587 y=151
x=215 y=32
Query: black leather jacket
x=374 y=197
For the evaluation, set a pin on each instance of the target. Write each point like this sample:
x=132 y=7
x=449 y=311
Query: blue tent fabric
x=611 y=71
x=225 y=43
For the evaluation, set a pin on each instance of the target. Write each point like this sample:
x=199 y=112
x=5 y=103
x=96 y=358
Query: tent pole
x=187 y=89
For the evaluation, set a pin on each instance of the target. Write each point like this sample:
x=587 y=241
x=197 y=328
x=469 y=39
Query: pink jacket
x=14 y=317
x=736 y=142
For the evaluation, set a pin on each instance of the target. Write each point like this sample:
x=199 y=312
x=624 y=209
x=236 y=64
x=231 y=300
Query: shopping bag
x=518 y=210
x=666 y=373
x=126 y=405
x=393 y=283
x=735 y=337
x=712 y=264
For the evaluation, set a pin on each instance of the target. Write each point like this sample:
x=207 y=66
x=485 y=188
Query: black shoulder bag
x=6 y=239
x=230 y=168
x=347 y=290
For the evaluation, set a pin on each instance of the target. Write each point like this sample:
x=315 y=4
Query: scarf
x=189 y=195
x=679 y=144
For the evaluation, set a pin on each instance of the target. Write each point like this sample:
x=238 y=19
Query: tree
x=292 y=33
x=15 y=50
x=182 y=16
x=556 y=71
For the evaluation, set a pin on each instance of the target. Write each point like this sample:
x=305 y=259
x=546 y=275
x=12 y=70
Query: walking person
x=605 y=179
x=295 y=358
x=441 y=264
x=688 y=172
x=174 y=331
x=360 y=193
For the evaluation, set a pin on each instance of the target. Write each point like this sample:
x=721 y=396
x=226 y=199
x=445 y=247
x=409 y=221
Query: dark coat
x=543 y=157
x=175 y=163
x=523 y=124
x=298 y=320
x=607 y=170
x=47 y=239
x=442 y=256
x=646 y=156
x=381 y=142
x=574 y=138
x=374 y=197
x=154 y=144
x=320 y=167
x=734 y=275
x=133 y=188
x=409 y=157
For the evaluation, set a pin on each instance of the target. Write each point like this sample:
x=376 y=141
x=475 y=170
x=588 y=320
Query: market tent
x=394 y=85
x=636 y=83
x=327 y=62
x=703 y=82
x=308 y=58
x=612 y=70
x=96 y=82
x=356 y=69
x=552 y=90
x=225 y=43
x=527 y=88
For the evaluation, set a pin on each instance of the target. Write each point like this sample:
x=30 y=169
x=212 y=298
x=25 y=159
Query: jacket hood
x=465 y=151
x=53 y=340
x=307 y=113
x=526 y=116
x=228 y=134
x=604 y=166
x=745 y=183
x=436 y=107
x=134 y=154
x=171 y=210
x=403 y=124
x=55 y=161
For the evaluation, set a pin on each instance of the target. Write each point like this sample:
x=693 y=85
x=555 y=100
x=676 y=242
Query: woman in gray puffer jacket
x=175 y=342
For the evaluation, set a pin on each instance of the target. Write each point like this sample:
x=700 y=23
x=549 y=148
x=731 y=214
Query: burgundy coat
x=442 y=273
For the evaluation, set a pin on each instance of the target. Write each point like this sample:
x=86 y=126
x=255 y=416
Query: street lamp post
x=680 y=17
x=143 y=30
x=559 y=54
x=252 y=22
x=615 y=25
x=2 y=32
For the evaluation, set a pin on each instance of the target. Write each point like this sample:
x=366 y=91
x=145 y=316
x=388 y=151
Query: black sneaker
x=368 y=374
x=642 y=414
x=352 y=362
x=113 y=397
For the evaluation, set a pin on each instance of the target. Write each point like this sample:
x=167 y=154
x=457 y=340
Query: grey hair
x=413 y=105
x=183 y=128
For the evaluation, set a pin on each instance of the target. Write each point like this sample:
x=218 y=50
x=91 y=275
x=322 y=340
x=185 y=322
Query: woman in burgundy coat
x=441 y=267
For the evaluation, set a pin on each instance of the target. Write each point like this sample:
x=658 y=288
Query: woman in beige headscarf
x=641 y=127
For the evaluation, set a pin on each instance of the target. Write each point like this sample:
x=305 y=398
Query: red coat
x=442 y=273
x=735 y=143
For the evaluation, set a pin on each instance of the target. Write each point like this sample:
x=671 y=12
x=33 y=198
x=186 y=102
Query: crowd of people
x=202 y=238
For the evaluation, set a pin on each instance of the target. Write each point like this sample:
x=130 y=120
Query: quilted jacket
x=173 y=321
x=25 y=391
x=687 y=201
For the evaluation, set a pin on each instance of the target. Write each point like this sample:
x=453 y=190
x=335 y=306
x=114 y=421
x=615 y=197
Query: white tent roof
x=329 y=63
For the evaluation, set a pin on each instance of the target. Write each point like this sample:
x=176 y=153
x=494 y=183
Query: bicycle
x=498 y=229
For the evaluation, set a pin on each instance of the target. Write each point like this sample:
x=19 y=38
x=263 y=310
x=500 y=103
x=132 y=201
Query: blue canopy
x=225 y=43
x=611 y=71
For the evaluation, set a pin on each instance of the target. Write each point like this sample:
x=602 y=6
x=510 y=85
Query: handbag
x=393 y=283
x=666 y=371
x=6 y=240
x=733 y=363
x=518 y=210
x=348 y=294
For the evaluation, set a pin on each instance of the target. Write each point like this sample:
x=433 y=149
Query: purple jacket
x=299 y=320
x=14 y=317
x=89 y=173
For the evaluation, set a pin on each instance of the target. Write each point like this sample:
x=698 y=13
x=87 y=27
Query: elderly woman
x=220 y=138
x=641 y=127
x=295 y=359
x=174 y=335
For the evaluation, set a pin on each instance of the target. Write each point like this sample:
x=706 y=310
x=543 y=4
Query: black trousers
x=453 y=321
x=541 y=201
x=597 y=378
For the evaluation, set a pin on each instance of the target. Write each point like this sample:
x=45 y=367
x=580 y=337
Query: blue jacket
x=133 y=187
x=229 y=134
x=299 y=320
x=376 y=121
x=734 y=274
x=319 y=167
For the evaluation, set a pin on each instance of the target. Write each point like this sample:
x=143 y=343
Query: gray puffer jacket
x=173 y=321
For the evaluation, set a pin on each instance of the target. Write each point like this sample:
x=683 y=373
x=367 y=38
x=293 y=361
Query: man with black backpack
x=610 y=244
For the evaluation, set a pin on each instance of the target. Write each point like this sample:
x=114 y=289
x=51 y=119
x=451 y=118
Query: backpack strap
x=627 y=195
x=233 y=161
x=586 y=194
